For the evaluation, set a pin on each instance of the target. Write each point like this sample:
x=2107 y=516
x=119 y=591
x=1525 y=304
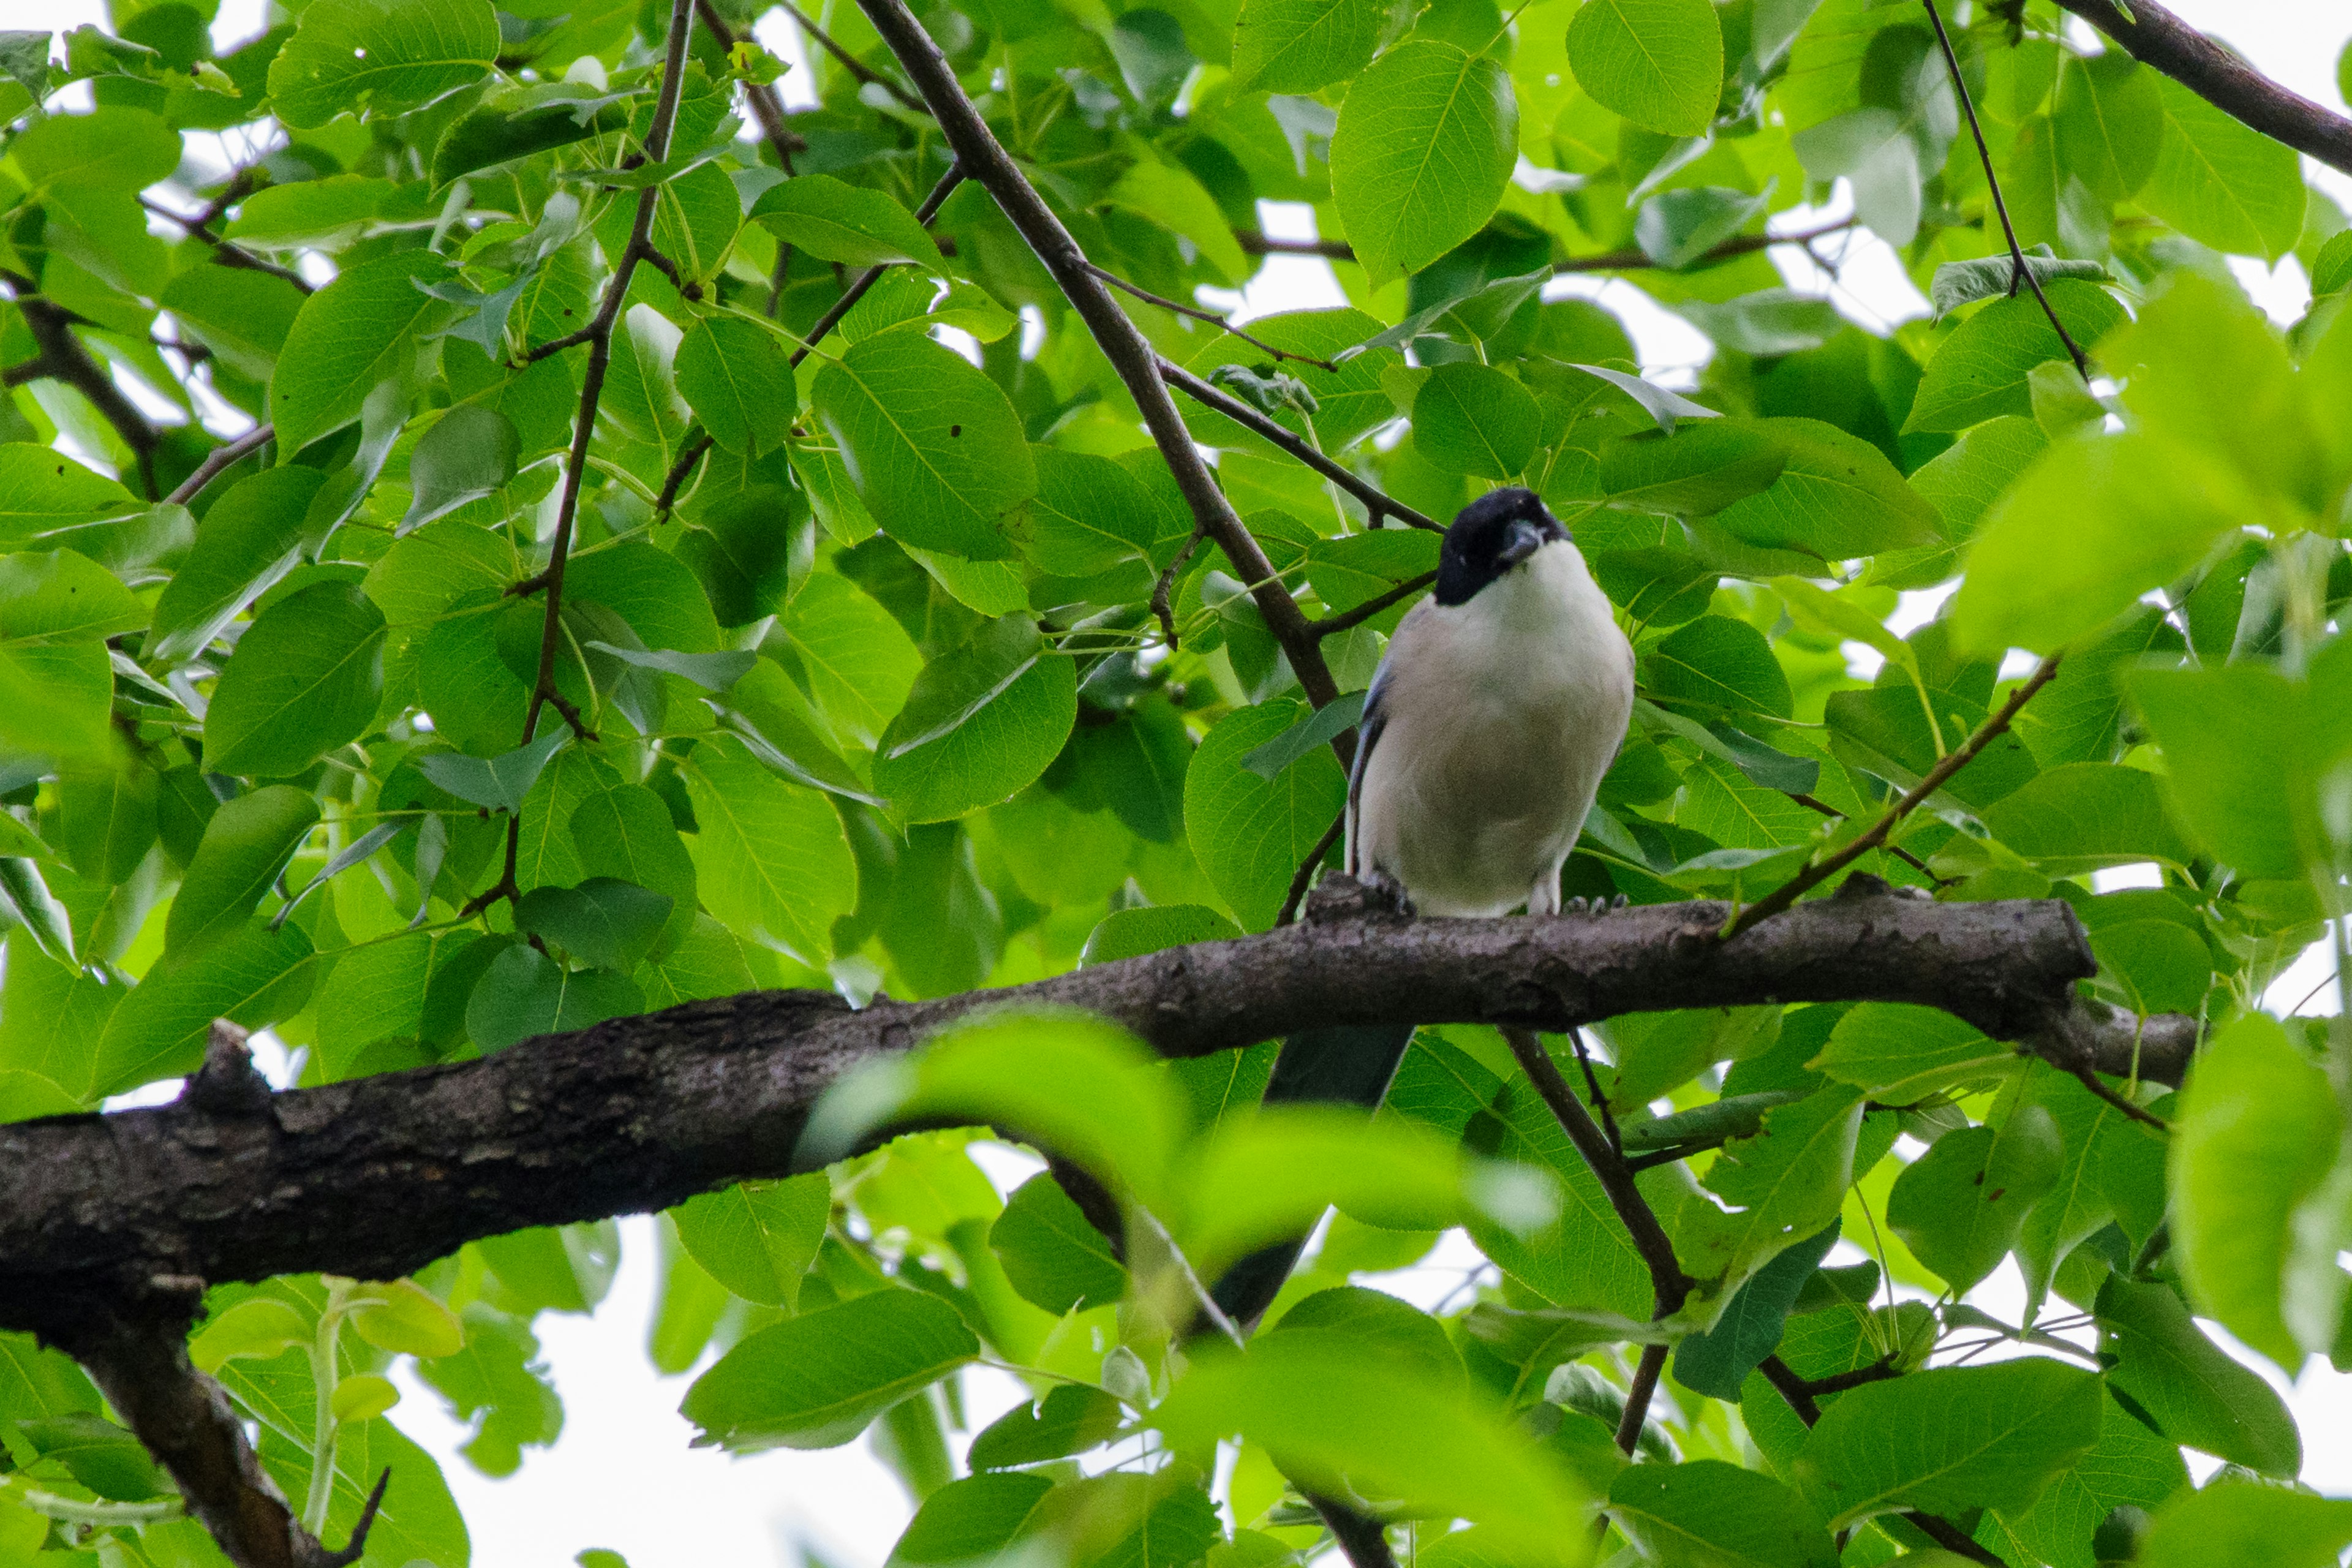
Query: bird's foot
x=1595 y=906
x=1340 y=897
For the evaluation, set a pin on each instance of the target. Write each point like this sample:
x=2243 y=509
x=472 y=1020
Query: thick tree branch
x=2155 y=38
x=1377 y=501
x=376 y=1177
x=983 y=159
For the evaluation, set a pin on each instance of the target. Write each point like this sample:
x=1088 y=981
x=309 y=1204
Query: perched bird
x=1503 y=699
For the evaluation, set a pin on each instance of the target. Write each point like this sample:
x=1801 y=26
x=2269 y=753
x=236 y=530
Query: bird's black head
x=1490 y=536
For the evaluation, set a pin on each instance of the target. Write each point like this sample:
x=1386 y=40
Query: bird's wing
x=1367 y=735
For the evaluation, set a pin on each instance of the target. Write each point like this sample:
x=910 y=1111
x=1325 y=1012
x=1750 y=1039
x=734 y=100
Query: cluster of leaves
x=861 y=685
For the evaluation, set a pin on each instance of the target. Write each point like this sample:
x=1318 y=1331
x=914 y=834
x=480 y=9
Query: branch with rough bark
x=2162 y=41
x=376 y=1177
x=983 y=159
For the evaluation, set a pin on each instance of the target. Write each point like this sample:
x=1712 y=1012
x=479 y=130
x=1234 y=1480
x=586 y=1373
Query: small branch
x=1814 y=803
x=1638 y=1395
x=766 y=107
x=1629 y=259
x=2019 y=271
x=600 y=353
x=1165 y=585
x=1800 y=1396
x=63 y=358
x=1838 y=1383
x=984 y=159
x=1960 y=756
x=1149 y=297
x=2155 y=38
x=675 y=481
x=1303 y=877
x=688 y=288
x=864 y=75
x=1330 y=625
x=1600 y=1101
x=228 y=252
x=2139 y=1113
x=1363 y=1540
x=218 y=458
x=1376 y=500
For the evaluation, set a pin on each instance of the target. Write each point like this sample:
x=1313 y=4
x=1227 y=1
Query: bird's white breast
x=1502 y=715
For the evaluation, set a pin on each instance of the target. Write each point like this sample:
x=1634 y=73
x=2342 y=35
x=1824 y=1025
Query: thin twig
x=1165 y=584
x=2139 y=1113
x=1629 y=259
x=1215 y=320
x=2019 y=271
x=1814 y=803
x=872 y=275
x=1592 y=1087
x=675 y=481
x=1303 y=877
x=228 y=252
x=865 y=75
x=766 y=107
x=600 y=353
x=216 y=460
x=63 y=358
x=1376 y=500
x=1331 y=625
x=1960 y=756
x=1122 y=342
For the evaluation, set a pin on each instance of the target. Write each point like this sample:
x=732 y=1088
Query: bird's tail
x=1350 y=1066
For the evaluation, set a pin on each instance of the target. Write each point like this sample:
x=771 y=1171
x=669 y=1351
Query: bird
x=1501 y=702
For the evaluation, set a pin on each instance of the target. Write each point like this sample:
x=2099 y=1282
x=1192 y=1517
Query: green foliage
x=857 y=681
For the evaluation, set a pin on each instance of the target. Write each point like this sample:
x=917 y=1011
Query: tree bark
x=376 y=1177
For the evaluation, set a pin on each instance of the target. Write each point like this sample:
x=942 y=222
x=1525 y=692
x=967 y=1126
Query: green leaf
x=1717 y=662
x=1314 y=730
x=2110 y=123
x=1717 y=1362
x=930 y=443
x=2186 y=1385
x=1378 y=1327
x=500 y=132
x=2261 y=821
x=1298 y=46
x=42 y=492
x=260 y=1327
x=1052 y=1253
x=305 y=678
x=979 y=724
x=245 y=846
x=1070 y=1420
x=855 y=662
x=1837 y=497
x=250 y=538
x=2231 y=1523
x=1676 y=228
x=110 y=148
x=360 y=330
x=2254 y=1135
x=470 y=453
x=1425 y=143
x=1131 y=933
x=1948 y=1439
x=2131 y=1466
x=525 y=993
x=2095 y=523
x=1960 y=1206
x=1700 y=467
x=710 y=671
x=255 y=977
x=1979 y=373
x=1958 y=283
x=1900 y=1053
x=738 y=381
x=1659 y=63
x=1170 y=195
x=759 y=1238
x=1249 y=833
x=1784 y=1184
x=771 y=860
x=603 y=921
x=2085 y=816
x=815 y=1382
x=2222 y=184
x=1090 y=514
x=498 y=1384
x=835 y=221
x=976 y=1518
x=1708 y=1514
x=500 y=783
x=1401 y=1434
x=384 y=56
x=56 y=607
x=1472 y=420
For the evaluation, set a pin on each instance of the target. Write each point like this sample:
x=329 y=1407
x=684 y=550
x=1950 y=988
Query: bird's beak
x=1525 y=540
